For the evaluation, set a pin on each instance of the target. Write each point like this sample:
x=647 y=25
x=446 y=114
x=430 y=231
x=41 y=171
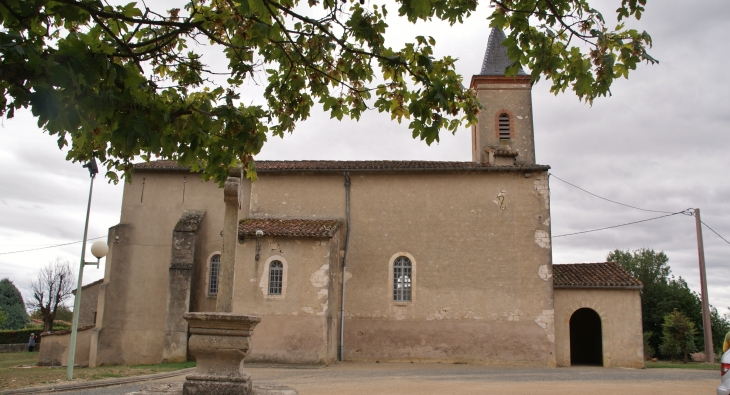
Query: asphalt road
x=406 y=378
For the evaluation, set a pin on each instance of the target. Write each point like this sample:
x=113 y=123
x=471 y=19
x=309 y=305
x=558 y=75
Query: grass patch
x=11 y=376
x=680 y=365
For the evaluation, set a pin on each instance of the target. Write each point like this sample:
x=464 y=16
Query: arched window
x=215 y=270
x=505 y=128
x=276 y=277
x=402 y=279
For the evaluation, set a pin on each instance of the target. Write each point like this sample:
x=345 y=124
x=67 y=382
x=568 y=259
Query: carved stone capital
x=230 y=191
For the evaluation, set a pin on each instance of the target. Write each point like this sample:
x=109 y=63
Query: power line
x=47 y=247
x=685 y=212
x=713 y=231
x=609 y=200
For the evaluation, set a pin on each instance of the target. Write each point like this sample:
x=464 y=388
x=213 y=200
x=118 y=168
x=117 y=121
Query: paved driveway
x=432 y=379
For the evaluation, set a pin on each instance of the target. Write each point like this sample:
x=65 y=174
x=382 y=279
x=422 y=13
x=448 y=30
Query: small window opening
x=504 y=127
x=215 y=268
x=276 y=275
x=402 y=280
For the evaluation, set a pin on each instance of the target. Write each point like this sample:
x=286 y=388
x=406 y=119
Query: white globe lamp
x=99 y=249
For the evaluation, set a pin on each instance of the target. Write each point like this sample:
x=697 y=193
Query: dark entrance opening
x=586 y=345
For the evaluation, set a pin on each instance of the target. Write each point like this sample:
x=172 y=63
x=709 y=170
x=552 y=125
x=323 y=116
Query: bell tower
x=504 y=134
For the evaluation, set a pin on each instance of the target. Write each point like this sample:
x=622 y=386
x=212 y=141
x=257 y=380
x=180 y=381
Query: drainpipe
x=344 y=266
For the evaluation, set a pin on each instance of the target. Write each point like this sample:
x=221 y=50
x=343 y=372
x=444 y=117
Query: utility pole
x=706 y=323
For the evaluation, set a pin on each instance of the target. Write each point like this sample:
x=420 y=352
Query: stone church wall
x=481 y=251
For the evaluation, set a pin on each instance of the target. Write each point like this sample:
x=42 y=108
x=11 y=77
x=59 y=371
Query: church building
x=366 y=260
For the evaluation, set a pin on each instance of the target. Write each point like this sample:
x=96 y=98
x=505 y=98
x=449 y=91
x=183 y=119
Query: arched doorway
x=586 y=339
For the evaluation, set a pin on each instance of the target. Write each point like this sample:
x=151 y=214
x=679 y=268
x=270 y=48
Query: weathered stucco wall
x=516 y=100
x=55 y=347
x=296 y=325
x=481 y=250
x=89 y=298
x=135 y=285
x=620 y=312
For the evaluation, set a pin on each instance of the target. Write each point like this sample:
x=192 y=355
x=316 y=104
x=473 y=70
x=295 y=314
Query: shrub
x=648 y=349
x=678 y=336
x=18 y=336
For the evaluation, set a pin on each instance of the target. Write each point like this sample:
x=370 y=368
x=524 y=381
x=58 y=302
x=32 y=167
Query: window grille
x=215 y=268
x=504 y=127
x=402 y=279
x=276 y=275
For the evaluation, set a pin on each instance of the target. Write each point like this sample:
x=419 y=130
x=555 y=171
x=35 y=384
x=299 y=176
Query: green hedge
x=18 y=336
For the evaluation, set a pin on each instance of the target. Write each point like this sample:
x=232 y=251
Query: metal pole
x=77 y=299
x=706 y=323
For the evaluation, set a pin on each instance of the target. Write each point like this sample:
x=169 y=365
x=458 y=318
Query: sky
x=660 y=142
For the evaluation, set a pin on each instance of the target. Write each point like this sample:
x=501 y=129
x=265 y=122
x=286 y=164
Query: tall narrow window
x=276 y=276
x=402 y=279
x=505 y=129
x=215 y=269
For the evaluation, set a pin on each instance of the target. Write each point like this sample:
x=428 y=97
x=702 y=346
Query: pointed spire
x=496 y=59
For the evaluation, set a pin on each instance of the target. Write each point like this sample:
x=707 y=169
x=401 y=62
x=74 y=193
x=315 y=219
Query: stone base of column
x=203 y=385
x=177 y=389
x=219 y=342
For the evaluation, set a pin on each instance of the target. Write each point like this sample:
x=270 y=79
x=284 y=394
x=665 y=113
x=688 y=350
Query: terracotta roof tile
x=593 y=275
x=289 y=227
x=274 y=166
x=159 y=165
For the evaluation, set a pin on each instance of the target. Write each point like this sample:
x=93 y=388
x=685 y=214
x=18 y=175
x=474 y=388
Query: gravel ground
x=407 y=379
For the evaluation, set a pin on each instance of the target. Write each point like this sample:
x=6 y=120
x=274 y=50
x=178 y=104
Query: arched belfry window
x=505 y=126
x=276 y=277
x=402 y=279
x=215 y=269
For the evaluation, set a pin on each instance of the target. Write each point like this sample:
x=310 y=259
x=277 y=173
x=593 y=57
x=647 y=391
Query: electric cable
x=713 y=231
x=685 y=212
x=609 y=200
x=47 y=247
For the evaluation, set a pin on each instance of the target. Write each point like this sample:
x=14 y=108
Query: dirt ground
x=408 y=379
x=432 y=379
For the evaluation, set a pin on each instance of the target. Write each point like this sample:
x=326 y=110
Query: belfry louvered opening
x=276 y=276
x=215 y=267
x=402 y=280
x=505 y=129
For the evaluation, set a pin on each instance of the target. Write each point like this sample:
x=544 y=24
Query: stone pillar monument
x=224 y=303
x=219 y=341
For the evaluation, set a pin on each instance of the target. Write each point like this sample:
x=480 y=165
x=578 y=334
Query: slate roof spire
x=496 y=59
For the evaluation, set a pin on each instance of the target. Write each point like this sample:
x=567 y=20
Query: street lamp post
x=99 y=249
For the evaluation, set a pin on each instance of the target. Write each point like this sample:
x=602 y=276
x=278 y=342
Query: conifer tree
x=11 y=302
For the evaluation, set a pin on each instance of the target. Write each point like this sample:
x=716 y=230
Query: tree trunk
x=48 y=322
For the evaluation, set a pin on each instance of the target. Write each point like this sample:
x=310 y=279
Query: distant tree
x=51 y=288
x=678 y=336
x=11 y=302
x=663 y=293
x=3 y=317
